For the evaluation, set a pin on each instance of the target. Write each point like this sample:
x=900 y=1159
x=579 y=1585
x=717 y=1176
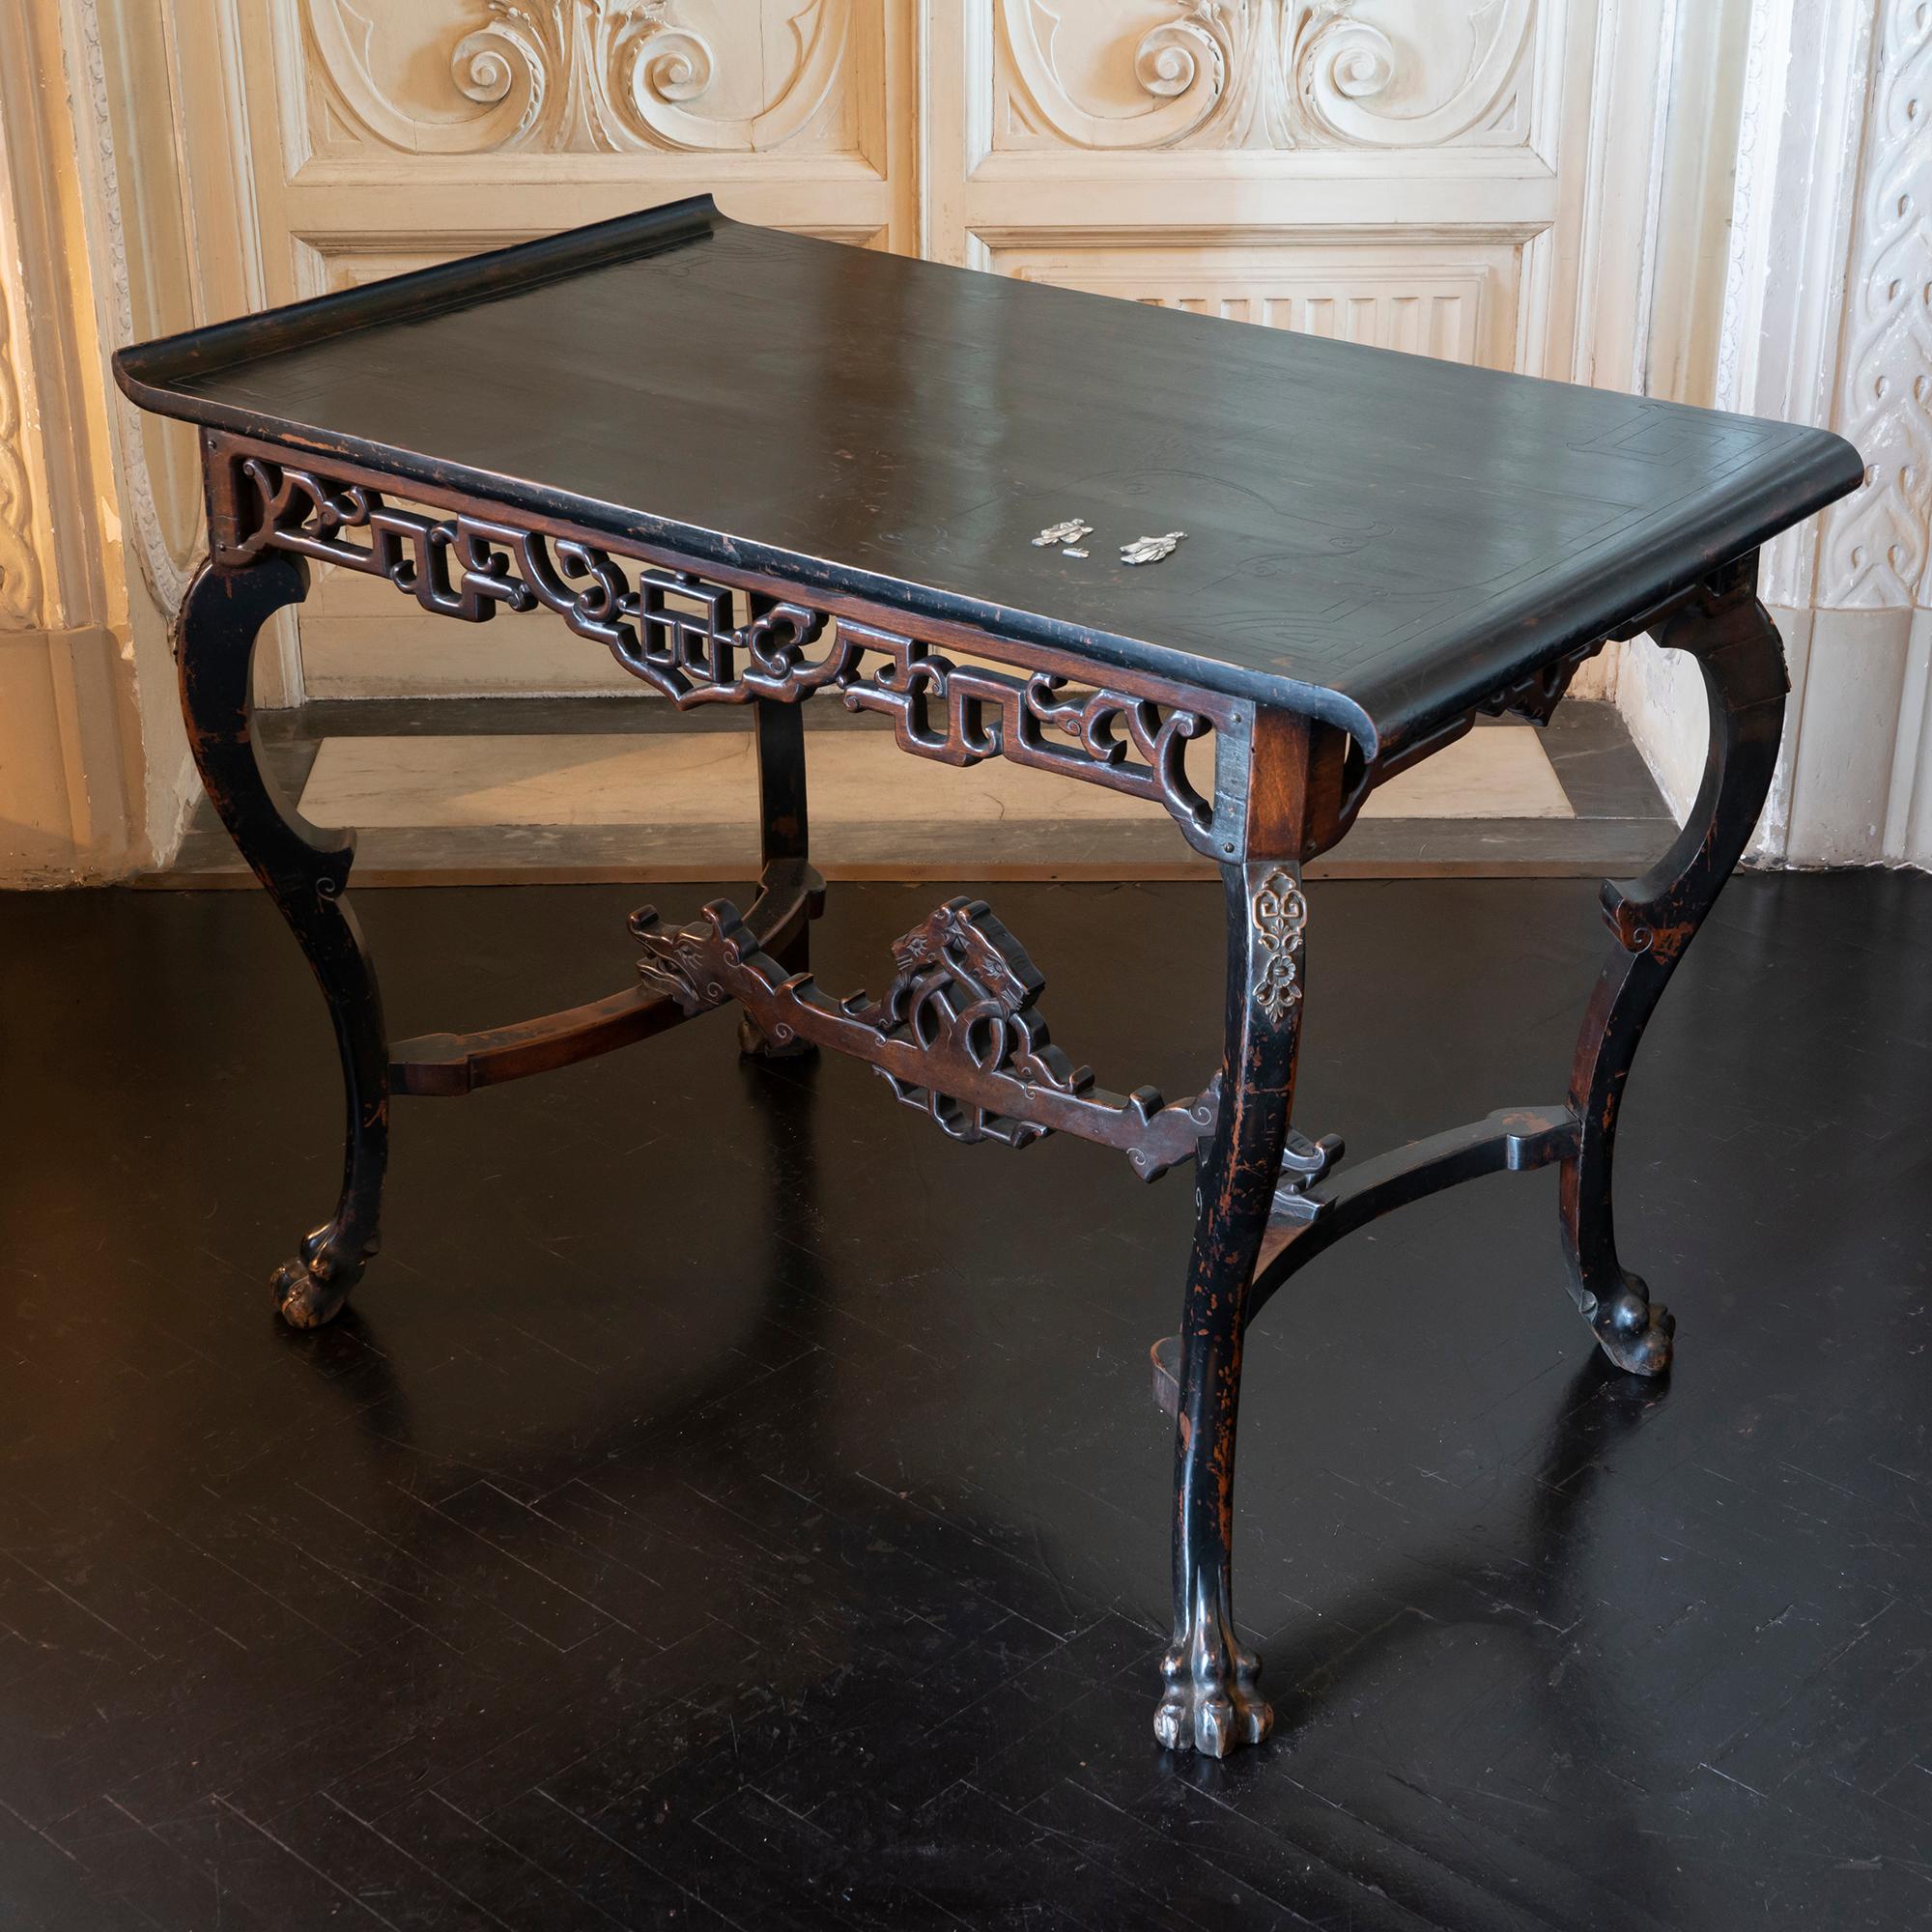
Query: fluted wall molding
x=1876 y=551
x=19 y=566
x=165 y=569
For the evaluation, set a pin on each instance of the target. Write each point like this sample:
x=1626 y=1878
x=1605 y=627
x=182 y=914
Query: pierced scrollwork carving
x=670 y=628
x=965 y=988
x=955 y=1034
x=962 y=714
x=1537 y=694
x=1280 y=917
x=676 y=631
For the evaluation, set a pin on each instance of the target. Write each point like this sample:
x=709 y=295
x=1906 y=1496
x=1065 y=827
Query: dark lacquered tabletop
x=1374 y=538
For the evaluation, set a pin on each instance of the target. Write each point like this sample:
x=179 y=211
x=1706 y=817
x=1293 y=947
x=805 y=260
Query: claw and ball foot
x=1655 y=918
x=1634 y=1331
x=305 y=870
x=311 y=1288
x=1209 y=1700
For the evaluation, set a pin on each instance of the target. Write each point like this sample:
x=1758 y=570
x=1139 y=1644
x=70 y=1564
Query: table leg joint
x=1513 y=1140
x=446 y=1065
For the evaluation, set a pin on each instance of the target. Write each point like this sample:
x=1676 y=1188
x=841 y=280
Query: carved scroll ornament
x=676 y=631
x=1344 y=68
x=1277 y=73
x=583 y=76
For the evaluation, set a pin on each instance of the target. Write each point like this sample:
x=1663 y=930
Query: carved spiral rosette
x=1344 y=73
x=1339 y=60
x=672 y=63
x=1183 y=57
x=1181 y=65
x=509 y=57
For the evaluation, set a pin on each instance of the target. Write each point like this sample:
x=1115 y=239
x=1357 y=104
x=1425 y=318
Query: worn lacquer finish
x=1381 y=540
x=866 y=451
x=1654 y=919
x=305 y=871
x=1210 y=1700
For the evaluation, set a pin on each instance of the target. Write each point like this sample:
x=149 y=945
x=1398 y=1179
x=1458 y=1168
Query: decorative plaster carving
x=1274 y=73
x=1877 y=551
x=579 y=76
x=1183 y=67
x=19 y=567
x=166 y=574
x=1343 y=66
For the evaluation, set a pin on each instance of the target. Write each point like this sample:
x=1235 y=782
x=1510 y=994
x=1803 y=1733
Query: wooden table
x=757 y=468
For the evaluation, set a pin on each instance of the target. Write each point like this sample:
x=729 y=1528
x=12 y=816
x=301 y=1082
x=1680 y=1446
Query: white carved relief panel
x=448 y=77
x=1415 y=173
x=20 y=562
x=1877 y=548
x=1388 y=138
x=1262 y=73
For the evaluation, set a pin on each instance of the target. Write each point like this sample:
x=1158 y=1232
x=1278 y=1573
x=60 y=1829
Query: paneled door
x=1470 y=178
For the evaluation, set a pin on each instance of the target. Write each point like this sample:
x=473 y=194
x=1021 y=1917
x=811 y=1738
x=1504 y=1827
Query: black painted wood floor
x=730 y=1502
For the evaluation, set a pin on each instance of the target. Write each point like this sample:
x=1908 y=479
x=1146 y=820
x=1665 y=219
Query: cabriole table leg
x=1210 y=1701
x=304 y=870
x=1655 y=918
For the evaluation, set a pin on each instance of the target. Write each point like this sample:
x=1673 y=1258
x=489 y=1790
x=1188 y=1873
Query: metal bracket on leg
x=1303 y=1164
